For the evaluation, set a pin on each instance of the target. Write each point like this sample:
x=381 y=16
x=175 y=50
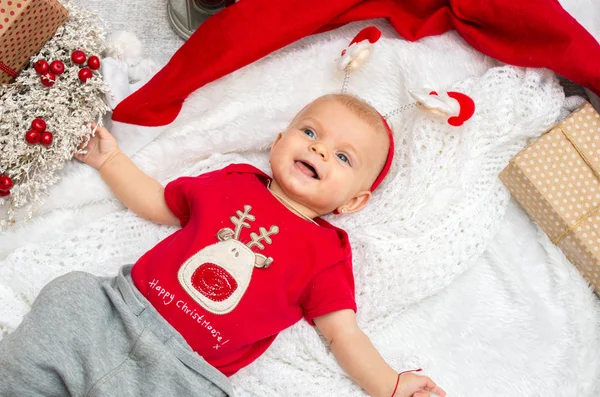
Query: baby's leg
x=41 y=357
x=89 y=336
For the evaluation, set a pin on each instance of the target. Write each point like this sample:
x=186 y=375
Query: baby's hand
x=412 y=385
x=100 y=148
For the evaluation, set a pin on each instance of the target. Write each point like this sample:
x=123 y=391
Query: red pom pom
x=4 y=194
x=57 y=67
x=46 y=138
x=78 y=57
x=5 y=183
x=48 y=79
x=32 y=137
x=41 y=66
x=39 y=125
x=94 y=62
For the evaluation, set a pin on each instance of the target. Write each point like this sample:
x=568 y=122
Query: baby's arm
x=140 y=193
x=359 y=358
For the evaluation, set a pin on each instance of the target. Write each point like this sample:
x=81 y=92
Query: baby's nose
x=320 y=150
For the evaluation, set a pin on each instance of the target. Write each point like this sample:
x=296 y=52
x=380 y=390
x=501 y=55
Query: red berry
x=94 y=62
x=57 y=67
x=4 y=194
x=85 y=74
x=39 y=125
x=46 y=138
x=41 y=66
x=48 y=79
x=78 y=57
x=5 y=183
x=32 y=137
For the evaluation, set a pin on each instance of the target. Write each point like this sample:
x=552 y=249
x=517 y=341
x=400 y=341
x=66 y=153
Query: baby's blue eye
x=343 y=157
x=309 y=132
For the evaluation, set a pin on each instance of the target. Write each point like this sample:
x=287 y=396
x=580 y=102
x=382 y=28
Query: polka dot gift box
x=25 y=26
x=557 y=180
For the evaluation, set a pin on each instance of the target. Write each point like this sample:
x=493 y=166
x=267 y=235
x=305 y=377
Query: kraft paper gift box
x=25 y=26
x=557 y=180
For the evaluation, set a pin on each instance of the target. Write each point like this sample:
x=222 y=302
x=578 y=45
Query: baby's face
x=327 y=156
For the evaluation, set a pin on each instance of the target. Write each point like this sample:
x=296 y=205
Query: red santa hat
x=458 y=107
x=359 y=49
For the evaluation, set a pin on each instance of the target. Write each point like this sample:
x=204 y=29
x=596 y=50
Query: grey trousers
x=92 y=336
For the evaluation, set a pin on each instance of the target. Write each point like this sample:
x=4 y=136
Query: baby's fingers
x=439 y=392
x=80 y=156
x=100 y=131
x=432 y=387
x=422 y=394
x=86 y=144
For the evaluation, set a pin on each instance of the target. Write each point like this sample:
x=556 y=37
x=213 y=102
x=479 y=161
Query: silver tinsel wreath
x=68 y=108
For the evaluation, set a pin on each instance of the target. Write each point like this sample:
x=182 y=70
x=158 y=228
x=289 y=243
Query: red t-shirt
x=243 y=267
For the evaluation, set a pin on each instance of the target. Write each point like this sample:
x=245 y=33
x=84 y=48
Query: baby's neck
x=295 y=207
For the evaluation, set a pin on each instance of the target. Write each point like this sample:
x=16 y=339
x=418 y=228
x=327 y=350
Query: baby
x=252 y=258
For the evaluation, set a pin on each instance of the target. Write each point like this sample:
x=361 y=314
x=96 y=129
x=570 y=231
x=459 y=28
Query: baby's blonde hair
x=356 y=105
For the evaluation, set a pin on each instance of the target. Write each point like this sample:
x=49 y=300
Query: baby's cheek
x=340 y=192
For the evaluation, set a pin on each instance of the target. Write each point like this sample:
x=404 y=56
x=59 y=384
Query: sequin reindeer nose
x=217 y=276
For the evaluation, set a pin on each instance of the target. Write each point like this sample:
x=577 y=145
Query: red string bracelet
x=398 y=379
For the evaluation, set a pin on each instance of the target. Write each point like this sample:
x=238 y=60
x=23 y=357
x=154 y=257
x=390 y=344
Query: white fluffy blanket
x=506 y=326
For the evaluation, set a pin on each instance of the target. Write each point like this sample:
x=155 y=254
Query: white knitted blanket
x=428 y=223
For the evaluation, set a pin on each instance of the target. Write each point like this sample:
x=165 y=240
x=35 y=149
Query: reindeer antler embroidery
x=226 y=233
x=264 y=235
x=239 y=222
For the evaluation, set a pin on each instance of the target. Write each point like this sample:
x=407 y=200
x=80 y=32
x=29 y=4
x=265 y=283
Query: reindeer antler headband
x=457 y=106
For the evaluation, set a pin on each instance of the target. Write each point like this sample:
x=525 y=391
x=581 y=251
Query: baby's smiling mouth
x=306 y=169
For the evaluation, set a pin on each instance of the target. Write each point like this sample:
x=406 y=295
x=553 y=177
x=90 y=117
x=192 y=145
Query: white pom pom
x=125 y=46
x=143 y=70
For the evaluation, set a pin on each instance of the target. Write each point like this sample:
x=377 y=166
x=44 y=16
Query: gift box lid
x=25 y=26
x=563 y=166
x=557 y=182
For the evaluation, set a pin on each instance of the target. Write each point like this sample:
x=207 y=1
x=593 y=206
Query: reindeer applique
x=218 y=275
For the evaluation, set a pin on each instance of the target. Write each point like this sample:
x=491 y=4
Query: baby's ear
x=356 y=203
x=277 y=139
